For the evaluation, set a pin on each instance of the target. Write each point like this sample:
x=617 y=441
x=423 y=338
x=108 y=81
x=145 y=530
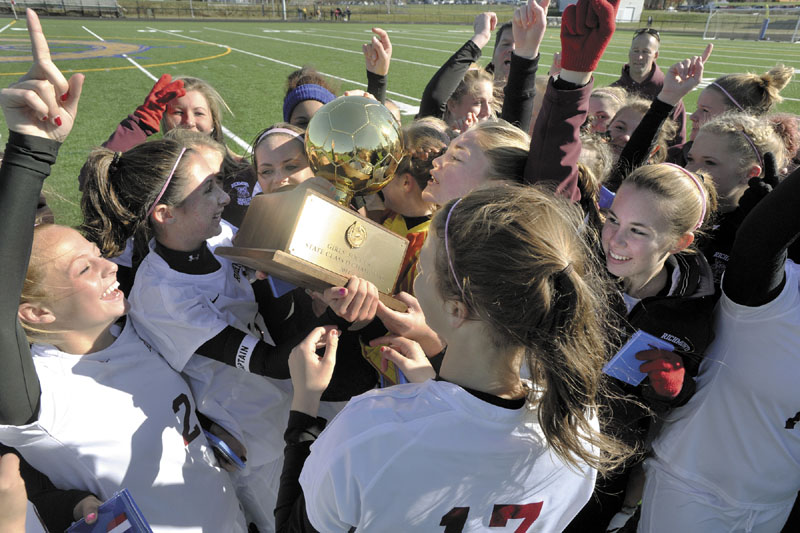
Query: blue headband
x=309 y=91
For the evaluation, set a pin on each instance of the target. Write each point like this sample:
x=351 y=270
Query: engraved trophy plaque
x=303 y=236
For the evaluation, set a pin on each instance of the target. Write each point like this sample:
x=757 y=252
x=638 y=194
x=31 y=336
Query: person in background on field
x=642 y=76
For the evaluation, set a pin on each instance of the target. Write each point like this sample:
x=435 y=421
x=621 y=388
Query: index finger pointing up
x=41 y=52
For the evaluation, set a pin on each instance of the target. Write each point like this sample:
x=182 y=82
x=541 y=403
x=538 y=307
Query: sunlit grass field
x=248 y=63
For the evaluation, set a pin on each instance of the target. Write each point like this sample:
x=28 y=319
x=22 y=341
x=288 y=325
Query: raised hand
x=483 y=27
x=42 y=103
x=311 y=373
x=528 y=27
x=378 y=52
x=154 y=106
x=683 y=77
x=586 y=30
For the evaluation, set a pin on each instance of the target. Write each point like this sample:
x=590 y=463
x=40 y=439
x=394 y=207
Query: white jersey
x=121 y=418
x=739 y=435
x=180 y=312
x=225 y=238
x=420 y=457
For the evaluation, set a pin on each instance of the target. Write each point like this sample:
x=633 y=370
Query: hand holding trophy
x=302 y=236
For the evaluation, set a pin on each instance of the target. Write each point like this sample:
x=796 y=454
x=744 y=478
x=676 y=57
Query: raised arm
x=378 y=56
x=680 y=80
x=586 y=30
x=755 y=273
x=447 y=78
x=38 y=121
x=528 y=26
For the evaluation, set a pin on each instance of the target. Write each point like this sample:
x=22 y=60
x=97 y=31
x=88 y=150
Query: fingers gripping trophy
x=307 y=234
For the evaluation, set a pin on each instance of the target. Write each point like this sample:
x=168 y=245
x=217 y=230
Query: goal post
x=753 y=23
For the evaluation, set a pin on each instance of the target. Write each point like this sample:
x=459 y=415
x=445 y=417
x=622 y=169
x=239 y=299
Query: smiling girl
x=733 y=149
x=279 y=158
x=668 y=292
x=96 y=408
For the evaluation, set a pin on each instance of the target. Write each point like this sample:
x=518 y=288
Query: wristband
x=245 y=351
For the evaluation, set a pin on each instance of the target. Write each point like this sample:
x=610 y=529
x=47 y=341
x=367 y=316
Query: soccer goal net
x=754 y=24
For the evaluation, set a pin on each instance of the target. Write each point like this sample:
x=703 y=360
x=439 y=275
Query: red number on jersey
x=456 y=518
x=188 y=436
x=529 y=512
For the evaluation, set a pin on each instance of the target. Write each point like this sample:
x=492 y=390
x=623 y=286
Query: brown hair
x=306 y=75
x=615 y=96
x=756 y=93
x=527 y=273
x=423 y=143
x=667 y=131
x=120 y=189
x=682 y=200
x=262 y=135
x=505 y=146
x=469 y=86
x=733 y=126
x=215 y=104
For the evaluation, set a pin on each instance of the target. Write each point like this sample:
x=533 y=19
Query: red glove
x=665 y=369
x=586 y=29
x=151 y=111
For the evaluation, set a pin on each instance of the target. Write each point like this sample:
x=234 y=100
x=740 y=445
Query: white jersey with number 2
x=122 y=418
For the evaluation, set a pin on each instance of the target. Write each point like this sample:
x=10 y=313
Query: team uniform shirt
x=121 y=418
x=178 y=313
x=225 y=238
x=739 y=436
x=420 y=457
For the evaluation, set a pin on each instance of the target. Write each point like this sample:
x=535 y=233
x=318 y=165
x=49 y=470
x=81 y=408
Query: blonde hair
x=733 y=126
x=755 y=93
x=215 y=104
x=614 y=96
x=505 y=147
x=33 y=289
x=683 y=201
x=526 y=272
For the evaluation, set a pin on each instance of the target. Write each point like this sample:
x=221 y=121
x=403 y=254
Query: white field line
x=719 y=53
x=359 y=52
x=228 y=133
x=6 y=26
x=278 y=61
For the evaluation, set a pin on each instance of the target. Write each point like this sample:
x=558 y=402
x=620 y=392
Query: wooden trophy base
x=303 y=237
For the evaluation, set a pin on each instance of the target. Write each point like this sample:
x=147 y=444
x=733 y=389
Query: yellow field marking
x=208 y=58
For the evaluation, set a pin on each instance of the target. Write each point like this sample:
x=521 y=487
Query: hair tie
x=112 y=168
x=447 y=247
x=307 y=91
x=166 y=183
x=700 y=188
x=753 y=146
x=726 y=93
x=285 y=131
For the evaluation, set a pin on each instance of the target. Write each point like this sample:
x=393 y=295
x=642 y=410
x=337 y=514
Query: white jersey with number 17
x=432 y=457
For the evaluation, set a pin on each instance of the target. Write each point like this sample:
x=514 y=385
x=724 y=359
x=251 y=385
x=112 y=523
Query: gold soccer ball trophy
x=355 y=143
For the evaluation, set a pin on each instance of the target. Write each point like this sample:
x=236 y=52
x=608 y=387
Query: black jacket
x=683 y=318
